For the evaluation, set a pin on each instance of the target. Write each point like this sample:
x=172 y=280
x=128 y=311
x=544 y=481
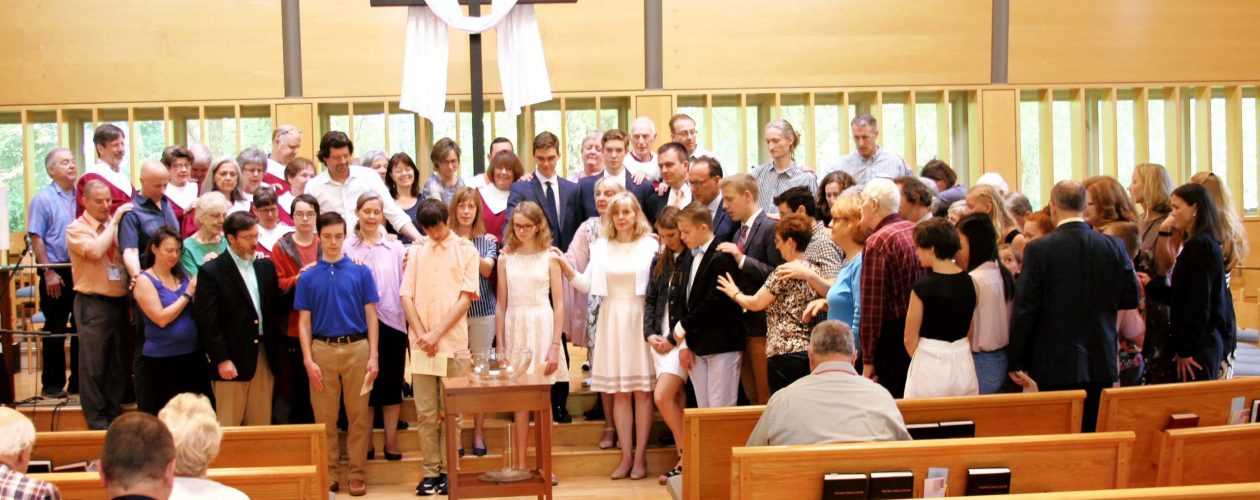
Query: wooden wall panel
x=89 y=51
x=999 y=128
x=352 y=49
x=1088 y=41
x=811 y=43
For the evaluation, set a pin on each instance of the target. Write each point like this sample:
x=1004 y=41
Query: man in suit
x=614 y=143
x=674 y=190
x=1074 y=280
x=557 y=196
x=705 y=176
x=708 y=333
x=238 y=320
x=756 y=256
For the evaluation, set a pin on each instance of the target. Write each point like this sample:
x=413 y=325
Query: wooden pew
x=299 y=482
x=1145 y=411
x=1208 y=455
x=1208 y=492
x=1038 y=463
x=710 y=433
x=260 y=446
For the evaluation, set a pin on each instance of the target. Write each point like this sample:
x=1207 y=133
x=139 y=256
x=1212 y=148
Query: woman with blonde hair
x=622 y=362
x=843 y=298
x=1151 y=188
x=196 y=432
x=466 y=221
x=986 y=199
x=529 y=313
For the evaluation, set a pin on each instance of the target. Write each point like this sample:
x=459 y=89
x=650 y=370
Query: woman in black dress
x=1196 y=289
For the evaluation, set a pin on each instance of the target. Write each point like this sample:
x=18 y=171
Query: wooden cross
x=475 y=72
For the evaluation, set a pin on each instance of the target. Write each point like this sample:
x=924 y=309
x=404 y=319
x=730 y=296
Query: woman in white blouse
x=995 y=288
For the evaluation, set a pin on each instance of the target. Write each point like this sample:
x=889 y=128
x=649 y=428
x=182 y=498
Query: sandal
x=609 y=439
x=672 y=472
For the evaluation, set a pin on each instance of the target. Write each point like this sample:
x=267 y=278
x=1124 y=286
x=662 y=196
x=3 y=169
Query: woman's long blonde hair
x=998 y=212
x=1157 y=188
x=641 y=226
x=533 y=213
x=1234 y=244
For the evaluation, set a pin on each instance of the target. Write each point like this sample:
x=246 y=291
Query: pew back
x=260 y=446
x=710 y=433
x=1208 y=455
x=1038 y=463
x=1145 y=411
x=1208 y=492
x=279 y=483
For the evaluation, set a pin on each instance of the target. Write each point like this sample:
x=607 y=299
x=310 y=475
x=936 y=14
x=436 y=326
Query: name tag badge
x=114 y=274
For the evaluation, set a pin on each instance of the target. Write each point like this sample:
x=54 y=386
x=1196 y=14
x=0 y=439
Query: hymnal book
x=1238 y=411
x=988 y=481
x=919 y=432
x=1182 y=421
x=937 y=482
x=1255 y=411
x=891 y=484
x=76 y=467
x=958 y=429
x=39 y=467
x=838 y=485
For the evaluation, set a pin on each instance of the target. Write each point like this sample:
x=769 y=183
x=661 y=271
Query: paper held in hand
x=424 y=364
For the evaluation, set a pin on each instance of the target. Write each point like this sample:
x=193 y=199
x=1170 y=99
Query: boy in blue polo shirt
x=336 y=303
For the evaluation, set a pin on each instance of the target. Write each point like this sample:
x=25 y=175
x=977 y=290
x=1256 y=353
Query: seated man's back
x=833 y=404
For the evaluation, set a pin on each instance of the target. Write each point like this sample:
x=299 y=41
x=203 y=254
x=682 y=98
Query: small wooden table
x=530 y=393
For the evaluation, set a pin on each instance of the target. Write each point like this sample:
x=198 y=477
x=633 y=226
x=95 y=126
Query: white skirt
x=668 y=363
x=941 y=369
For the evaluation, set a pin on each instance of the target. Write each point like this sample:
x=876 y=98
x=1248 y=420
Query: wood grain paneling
x=1000 y=133
x=810 y=43
x=1087 y=41
x=88 y=51
x=352 y=49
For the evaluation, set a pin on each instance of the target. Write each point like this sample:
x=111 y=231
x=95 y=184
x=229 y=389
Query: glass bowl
x=497 y=365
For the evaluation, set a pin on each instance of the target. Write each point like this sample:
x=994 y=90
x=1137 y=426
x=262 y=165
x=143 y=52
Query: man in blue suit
x=705 y=175
x=614 y=143
x=557 y=196
x=1073 y=282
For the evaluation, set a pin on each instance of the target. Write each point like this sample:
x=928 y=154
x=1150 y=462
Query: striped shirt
x=487 y=247
x=771 y=184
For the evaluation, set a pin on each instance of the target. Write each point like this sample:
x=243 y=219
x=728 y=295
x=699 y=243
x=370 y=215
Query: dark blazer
x=1073 y=282
x=586 y=186
x=724 y=227
x=710 y=318
x=226 y=320
x=570 y=216
x=659 y=294
x=1201 y=319
x=760 y=259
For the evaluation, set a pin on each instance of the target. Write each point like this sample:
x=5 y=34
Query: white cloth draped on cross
x=522 y=68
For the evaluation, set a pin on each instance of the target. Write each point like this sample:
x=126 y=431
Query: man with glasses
x=683 y=130
x=286 y=140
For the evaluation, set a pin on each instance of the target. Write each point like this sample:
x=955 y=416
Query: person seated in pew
x=196 y=433
x=833 y=404
x=17 y=439
x=138 y=458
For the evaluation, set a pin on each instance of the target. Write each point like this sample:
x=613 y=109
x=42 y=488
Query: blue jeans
x=990 y=370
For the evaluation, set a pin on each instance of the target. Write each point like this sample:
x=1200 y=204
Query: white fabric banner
x=522 y=67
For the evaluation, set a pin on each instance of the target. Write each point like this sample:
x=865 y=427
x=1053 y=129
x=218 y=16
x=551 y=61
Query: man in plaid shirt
x=17 y=439
x=889 y=269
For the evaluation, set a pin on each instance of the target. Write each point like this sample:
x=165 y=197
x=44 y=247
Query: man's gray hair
x=643 y=121
x=50 y=158
x=865 y=120
x=885 y=192
x=831 y=337
x=251 y=156
x=17 y=433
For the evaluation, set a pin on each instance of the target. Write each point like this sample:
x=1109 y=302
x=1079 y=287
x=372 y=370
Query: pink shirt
x=385 y=259
x=437 y=274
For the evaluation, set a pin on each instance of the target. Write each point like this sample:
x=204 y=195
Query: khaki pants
x=343 y=367
x=247 y=402
x=431 y=412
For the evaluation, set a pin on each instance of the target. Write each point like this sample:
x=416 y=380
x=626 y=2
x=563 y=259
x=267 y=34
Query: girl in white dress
x=622 y=362
x=529 y=283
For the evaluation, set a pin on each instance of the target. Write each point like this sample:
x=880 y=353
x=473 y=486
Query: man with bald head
x=642 y=160
x=200 y=163
x=1073 y=282
x=152 y=211
x=286 y=140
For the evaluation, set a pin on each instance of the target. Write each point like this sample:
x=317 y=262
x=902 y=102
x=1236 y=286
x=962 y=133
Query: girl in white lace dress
x=529 y=283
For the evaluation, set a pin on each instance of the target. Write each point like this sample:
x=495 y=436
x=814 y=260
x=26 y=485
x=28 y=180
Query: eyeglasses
x=524 y=227
x=303 y=215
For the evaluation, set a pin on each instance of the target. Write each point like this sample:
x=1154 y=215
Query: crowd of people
x=280 y=291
